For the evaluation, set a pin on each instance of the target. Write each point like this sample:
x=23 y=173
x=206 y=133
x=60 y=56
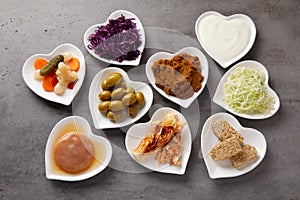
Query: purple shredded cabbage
x=118 y=40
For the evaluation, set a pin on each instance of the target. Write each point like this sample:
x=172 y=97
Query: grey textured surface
x=29 y=27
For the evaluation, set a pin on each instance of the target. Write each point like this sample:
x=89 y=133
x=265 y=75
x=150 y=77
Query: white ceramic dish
x=102 y=155
x=36 y=86
x=100 y=120
x=115 y=15
x=164 y=55
x=138 y=131
x=219 y=96
x=224 y=169
x=226 y=19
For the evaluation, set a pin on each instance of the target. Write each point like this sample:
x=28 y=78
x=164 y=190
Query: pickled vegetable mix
x=246 y=92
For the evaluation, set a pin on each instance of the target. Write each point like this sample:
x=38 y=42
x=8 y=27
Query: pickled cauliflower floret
x=64 y=75
x=67 y=56
x=60 y=89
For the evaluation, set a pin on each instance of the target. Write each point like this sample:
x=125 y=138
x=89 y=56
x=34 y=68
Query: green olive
x=122 y=84
x=132 y=110
x=113 y=80
x=104 y=85
x=104 y=107
x=105 y=95
x=118 y=93
x=115 y=116
x=140 y=98
x=130 y=90
x=129 y=99
x=116 y=105
x=116 y=74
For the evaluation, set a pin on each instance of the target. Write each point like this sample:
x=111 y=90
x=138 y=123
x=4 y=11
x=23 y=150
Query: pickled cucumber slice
x=51 y=65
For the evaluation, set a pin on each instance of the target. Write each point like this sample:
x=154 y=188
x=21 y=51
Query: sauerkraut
x=246 y=91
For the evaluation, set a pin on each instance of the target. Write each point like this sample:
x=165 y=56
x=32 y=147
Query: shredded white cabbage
x=245 y=91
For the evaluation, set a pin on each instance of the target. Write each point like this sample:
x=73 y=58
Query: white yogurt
x=224 y=39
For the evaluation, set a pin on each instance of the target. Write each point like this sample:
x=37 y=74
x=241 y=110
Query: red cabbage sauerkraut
x=118 y=40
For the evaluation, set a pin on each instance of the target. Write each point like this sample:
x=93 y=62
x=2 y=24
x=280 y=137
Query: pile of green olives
x=116 y=97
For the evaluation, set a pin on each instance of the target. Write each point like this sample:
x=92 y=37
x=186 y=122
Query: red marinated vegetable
x=118 y=40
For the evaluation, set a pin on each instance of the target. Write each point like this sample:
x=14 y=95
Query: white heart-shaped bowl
x=138 y=131
x=199 y=27
x=224 y=169
x=100 y=120
x=219 y=96
x=185 y=103
x=114 y=15
x=103 y=149
x=36 y=86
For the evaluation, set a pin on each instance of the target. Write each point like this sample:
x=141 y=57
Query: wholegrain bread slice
x=223 y=130
x=248 y=153
x=226 y=149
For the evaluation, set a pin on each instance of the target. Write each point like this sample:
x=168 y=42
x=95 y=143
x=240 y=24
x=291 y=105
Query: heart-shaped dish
x=224 y=169
x=36 y=86
x=138 y=131
x=100 y=120
x=103 y=150
x=219 y=96
x=164 y=55
x=114 y=15
x=225 y=26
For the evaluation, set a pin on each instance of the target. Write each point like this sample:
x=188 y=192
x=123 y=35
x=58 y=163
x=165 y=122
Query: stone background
x=29 y=27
